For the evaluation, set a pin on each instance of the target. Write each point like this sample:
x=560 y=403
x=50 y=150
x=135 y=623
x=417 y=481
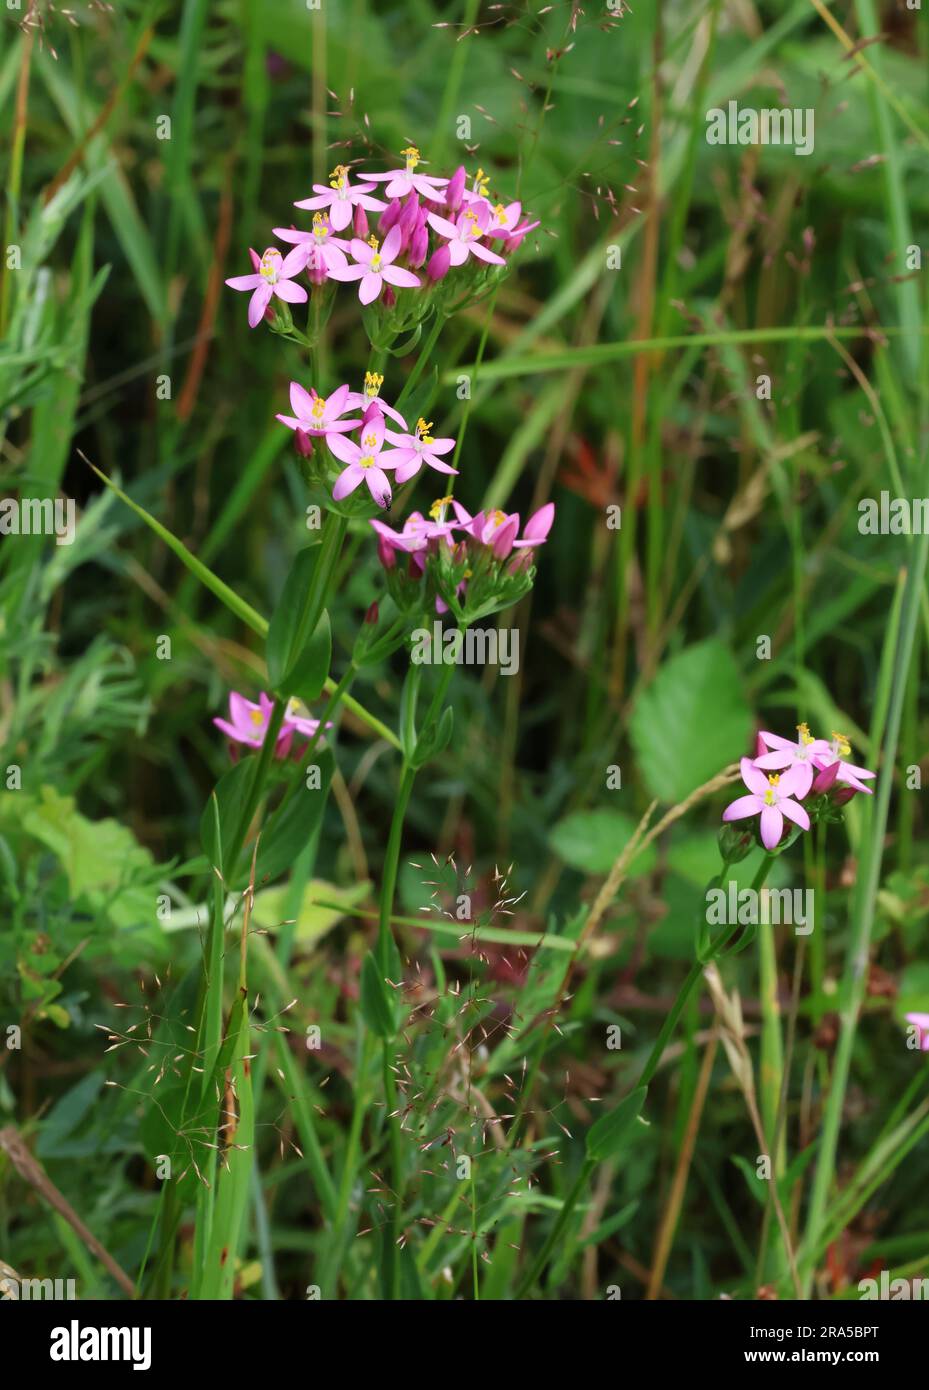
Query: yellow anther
x=842 y=743
x=320 y=225
x=373 y=383
x=270 y=265
x=435 y=511
x=422 y=429
x=256 y=717
x=500 y=213
x=319 y=408
x=370 y=441
x=366 y=462
x=481 y=182
x=498 y=518
x=339 y=177
x=411 y=155
x=804 y=731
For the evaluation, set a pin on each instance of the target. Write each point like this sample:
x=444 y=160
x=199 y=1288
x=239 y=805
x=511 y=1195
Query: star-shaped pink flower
x=273 y=276
x=365 y=461
x=374 y=266
x=772 y=799
x=341 y=198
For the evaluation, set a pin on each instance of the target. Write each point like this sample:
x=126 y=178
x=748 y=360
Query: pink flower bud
x=826 y=779
x=361 y=223
x=371 y=615
x=439 y=262
x=303 y=444
x=761 y=747
x=389 y=297
x=454 y=189
x=385 y=553
x=255 y=258
x=389 y=216
x=419 y=246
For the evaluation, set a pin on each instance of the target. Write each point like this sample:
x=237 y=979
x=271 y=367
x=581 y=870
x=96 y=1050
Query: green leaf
x=608 y=1135
x=223 y=811
x=298 y=665
x=592 y=841
x=691 y=721
x=287 y=831
x=377 y=1007
x=322 y=907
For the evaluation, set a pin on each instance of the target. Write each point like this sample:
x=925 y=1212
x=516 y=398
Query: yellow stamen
x=256 y=717
x=481 y=182
x=804 y=731
x=843 y=744
x=270 y=265
x=370 y=441
x=373 y=383
x=319 y=408
x=422 y=429
x=367 y=461
x=435 y=511
x=411 y=155
x=769 y=796
x=339 y=177
x=498 y=518
x=500 y=213
x=320 y=226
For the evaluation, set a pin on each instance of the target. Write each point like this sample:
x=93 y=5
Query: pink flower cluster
x=482 y=539
x=784 y=772
x=462 y=220
x=367 y=459
x=248 y=723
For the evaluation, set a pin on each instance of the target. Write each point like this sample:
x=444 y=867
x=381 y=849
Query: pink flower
x=799 y=755
x=341 y=198
x=375 y=267
x=413 y=450
x=502 y=220
x=274 y=276
x=921 y=1024
x=414 y=537
x=317 y=415
x=464 y=235
x=847 y=773
x=772 y=798
x=248 y=723
x=360 y=400
x=496 y=529
x=365 y=461
x=515 y=238
x=406 y=180
x=324 y=252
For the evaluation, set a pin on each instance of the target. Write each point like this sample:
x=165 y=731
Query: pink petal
x=291 y=292
x=245 y=282
x=340 y=214
x=347 y=481
x=753 y=777
x=370 y=287
x=396 y=275
x=392 y=243
x=483 y=253
x=743 y=806
x=258 y=303
x=345 y=449
x=795 y=812
x=772 y=825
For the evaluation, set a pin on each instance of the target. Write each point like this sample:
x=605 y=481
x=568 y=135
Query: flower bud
x=371 y=615
x=735 y=843
x=361 y=223
x=386 y=555
x=439 y=262
x=389 y=297
x=454 y=189
x=303 y=444
x=389 y=216
x=826 y=779
x=419 y=246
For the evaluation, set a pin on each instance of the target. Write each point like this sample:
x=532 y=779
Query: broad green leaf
x=592 y=841
x=691 y=721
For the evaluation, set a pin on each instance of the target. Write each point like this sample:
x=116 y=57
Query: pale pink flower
x=360 y=400
x=374 y=267
x=834 y=757
x=800 y=755
x=464 y=234
x=536 y=529
x=411 y=451
x=771 y=798
x=318 y=415
x=365 y=461
x=341 y=198
x=274 y=276
x=324 y=252
x=496 y=529
x=406 y=180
